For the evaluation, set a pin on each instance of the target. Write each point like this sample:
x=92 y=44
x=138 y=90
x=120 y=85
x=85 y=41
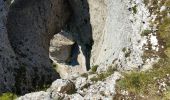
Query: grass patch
x=103 y=75
x=167 y=3
x=8 y=96
x=145 y=82
x=84 y=75
x=134 y=82
x=146 y=32
x=94 y=68
x=164 y=31
x=166 y=95
x=124 y=49
x=134 y=9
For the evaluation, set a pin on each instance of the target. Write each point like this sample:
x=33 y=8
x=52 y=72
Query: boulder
x=62 y=86
x=61 y=47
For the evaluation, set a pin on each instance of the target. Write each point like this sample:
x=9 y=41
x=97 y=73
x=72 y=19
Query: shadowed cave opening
x=31 y=26
x=74 y=55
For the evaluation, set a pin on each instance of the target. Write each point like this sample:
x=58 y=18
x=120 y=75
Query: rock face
x=101 y=32
x=112 y=31
x=116 y=40
x=109 y=31
x=31 y=25
x=8 y=62
x=80 y=28
x=25 y=39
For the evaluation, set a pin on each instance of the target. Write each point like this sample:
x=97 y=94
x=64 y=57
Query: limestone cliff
x=90 y=43
x=25 y=40
x=117 y=28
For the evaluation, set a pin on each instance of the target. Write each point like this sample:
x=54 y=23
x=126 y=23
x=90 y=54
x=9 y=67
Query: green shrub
x=134 y=9
x=103 y=75
x=94 y=68
x=124 y=49
x=55 y=66
x=146 y=32
x=8 y=96
x=84 y=75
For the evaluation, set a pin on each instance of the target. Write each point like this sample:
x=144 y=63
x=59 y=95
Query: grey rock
x=80 y=82
x=80 y=28
x=36 y=96
x=65 y=89
x=76 y=97
x=25 y=39
x=103 y=89
x=8 y=62
x=62 y=86
x=114 y=28
x=61 y=47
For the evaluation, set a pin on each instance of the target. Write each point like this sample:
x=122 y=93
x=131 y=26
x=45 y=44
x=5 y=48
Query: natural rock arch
x=30 y=25
x=26 y=28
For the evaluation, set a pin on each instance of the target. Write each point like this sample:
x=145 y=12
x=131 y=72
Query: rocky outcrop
x=57 y=91
x=77 y=88
x=25 y=39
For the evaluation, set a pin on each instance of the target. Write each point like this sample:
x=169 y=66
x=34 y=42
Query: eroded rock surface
x=80 y=28
x=117 y=27
x=25 y=33
x=8 y=62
